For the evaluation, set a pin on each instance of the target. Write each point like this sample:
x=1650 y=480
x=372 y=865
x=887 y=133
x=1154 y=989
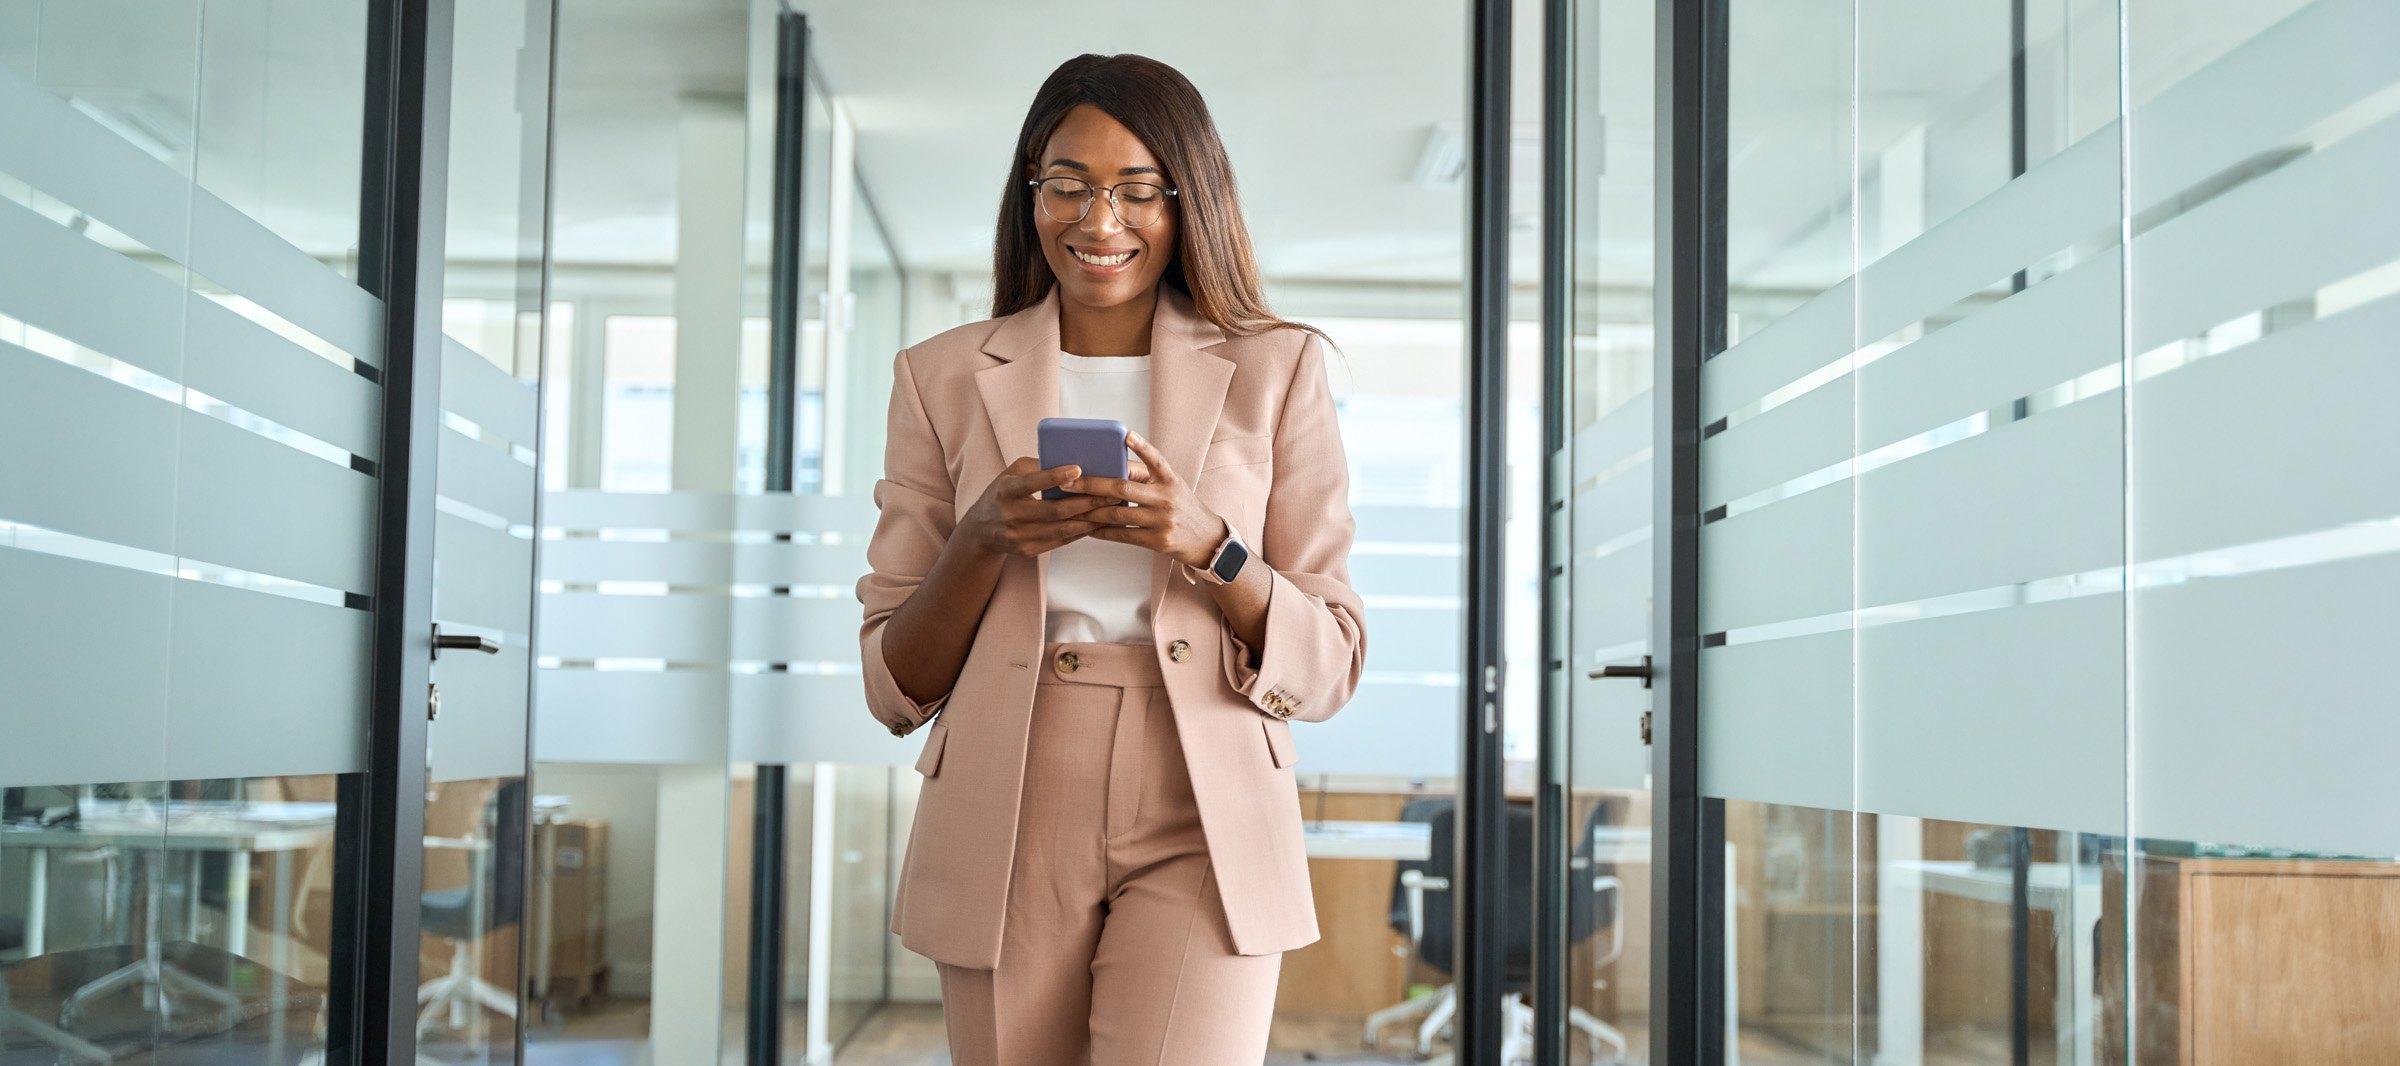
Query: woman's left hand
x=1167 y=517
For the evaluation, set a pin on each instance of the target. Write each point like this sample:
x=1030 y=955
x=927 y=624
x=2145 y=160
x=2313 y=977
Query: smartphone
x=1095 y=444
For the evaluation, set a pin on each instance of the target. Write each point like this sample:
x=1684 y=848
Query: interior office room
x=1875 y=520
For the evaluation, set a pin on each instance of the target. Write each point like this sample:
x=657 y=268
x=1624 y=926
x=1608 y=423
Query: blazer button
x=1069 y=662
x=1180 y=650
x=899 y=730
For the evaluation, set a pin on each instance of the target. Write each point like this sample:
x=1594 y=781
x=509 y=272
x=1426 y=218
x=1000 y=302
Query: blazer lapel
x=1023 y=389
x=1187 y=392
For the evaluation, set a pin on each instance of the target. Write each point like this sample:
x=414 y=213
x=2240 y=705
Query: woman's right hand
x=1010 y=519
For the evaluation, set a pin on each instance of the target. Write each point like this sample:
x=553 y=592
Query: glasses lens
x=1140 y=203
x=1064 y=199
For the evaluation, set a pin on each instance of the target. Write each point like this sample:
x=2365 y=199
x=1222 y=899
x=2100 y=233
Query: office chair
x=12 y=938
x=1422 y=911
x=466 y=914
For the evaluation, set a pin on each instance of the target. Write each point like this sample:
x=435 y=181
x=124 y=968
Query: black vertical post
x=2020 y=840
x=768 y=827
x=1480 y=884
x=1688 y=851
x=1553 y=811
x=381 y=838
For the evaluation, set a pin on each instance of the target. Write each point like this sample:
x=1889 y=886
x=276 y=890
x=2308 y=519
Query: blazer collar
x=1187 y=380
x=1187 y=392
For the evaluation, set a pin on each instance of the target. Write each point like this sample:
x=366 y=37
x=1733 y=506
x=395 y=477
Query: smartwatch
x=1231 y=556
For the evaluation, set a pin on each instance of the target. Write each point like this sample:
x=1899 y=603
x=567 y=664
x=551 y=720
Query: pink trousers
x=1115 y=950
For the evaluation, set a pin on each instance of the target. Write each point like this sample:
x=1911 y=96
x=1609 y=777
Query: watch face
x=1229 y=561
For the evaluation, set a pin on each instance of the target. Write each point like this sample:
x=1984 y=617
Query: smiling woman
x=1107 y=862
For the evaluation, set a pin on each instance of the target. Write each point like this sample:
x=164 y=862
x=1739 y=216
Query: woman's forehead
x=1093 y=141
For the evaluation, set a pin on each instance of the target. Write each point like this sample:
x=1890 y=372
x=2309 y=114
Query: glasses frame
x=1035 y=184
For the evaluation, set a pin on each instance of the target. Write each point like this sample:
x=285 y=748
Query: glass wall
x=189 y=405
x=1602 y=529
x=2039 y=556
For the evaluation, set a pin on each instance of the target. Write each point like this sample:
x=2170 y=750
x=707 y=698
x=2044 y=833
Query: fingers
x=1026 y=477
x=1155 y=465
x=1121 y=489
x=1121 y=515
x=1034 y=538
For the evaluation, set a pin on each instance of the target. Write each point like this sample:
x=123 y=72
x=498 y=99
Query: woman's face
x=1100 y=262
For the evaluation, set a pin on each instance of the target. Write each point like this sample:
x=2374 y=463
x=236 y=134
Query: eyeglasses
x=1068 y=200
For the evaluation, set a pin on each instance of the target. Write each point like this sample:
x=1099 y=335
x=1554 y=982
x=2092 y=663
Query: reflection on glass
x=1788 y=152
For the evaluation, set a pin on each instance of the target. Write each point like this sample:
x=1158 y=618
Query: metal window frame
x=770 y=801
x=1553 y=806
x=1687 y=946
x=380 y=835
x=1480 y=896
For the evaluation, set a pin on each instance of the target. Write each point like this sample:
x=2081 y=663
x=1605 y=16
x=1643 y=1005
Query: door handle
x=1634 y=670
x=462 y=642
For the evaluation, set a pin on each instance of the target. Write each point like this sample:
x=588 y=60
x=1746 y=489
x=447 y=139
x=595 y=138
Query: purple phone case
x=1095 y=444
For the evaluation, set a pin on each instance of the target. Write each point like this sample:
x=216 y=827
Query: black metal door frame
x=1687 y=918
x=1480 y=884
x=1687 y=948
x=380 y=833
x=769 y=828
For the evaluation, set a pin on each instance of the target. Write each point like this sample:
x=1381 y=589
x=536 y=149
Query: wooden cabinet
x=2242 y=961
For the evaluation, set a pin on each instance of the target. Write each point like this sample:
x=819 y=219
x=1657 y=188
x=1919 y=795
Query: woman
x=1106 y=863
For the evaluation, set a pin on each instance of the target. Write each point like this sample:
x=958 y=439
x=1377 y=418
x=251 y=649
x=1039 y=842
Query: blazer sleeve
x=913 y=520
x=1316 y=635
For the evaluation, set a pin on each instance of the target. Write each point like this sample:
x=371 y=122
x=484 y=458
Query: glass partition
x=189 y=405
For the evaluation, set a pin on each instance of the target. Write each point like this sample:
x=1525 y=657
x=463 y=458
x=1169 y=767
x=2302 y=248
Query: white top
x=1100 y=590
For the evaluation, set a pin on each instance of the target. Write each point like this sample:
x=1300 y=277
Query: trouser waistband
x=1079 y=662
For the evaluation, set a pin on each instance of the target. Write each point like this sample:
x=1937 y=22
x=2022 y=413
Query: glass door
x=191 y=394
x=1597 y=836
x=486 y=910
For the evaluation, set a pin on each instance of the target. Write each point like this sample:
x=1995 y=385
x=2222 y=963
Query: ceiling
x=1325 y=108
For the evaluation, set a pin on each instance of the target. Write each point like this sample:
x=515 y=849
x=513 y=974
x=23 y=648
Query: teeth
x=1102 y=260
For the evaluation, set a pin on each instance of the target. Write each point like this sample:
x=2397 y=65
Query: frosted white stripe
x=266 y=686
x=2029 y=500
x=1809 y=433
x=1431 y=526
x=57 y=281
x=1416 y=575
x=2318 y=61
x=2066 y=199
x=48 y=144
x=1610 y=603
x=2052 y=332
x=481 y=732
x=482 y=476
x=801 y=718
x=1788 y=561
x=84 y=455
x=233 y=250
x=242 y=363
x=2290 y=434
x=1604 y=741
x=609 y=716
x=482 y=577
x=83 y=671
x=2277 y=239
x=1610 y=509
x=1960 y=717
x=798 y=512
x=476 y=390
x=704 y=563
x=1775 y=721
x=1614 y=437
x=247 y=502
x=2263 y=709
x=1803 y=339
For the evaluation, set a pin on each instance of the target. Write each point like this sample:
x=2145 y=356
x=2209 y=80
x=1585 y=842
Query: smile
x=1108 y=259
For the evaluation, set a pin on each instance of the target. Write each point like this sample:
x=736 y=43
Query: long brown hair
x=1213 y=263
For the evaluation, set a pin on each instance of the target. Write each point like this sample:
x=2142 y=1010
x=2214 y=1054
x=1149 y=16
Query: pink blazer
x=1252 y=421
